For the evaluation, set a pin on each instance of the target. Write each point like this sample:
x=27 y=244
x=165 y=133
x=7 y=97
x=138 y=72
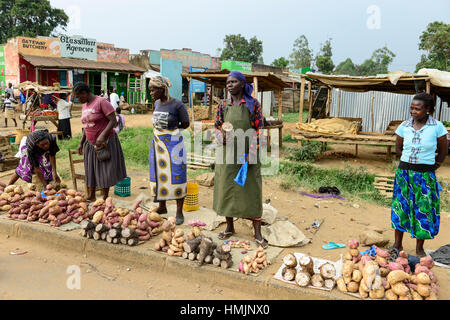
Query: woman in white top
x=64 y=116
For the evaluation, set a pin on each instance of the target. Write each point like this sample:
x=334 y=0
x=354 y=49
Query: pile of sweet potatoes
x=384 y=276
x=67 y=206
x=254 y=263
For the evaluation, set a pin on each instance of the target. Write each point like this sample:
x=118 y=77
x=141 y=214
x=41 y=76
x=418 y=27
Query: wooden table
x=363 y=138
x=36 y=119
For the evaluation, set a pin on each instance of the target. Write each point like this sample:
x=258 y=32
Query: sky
x=356 y=27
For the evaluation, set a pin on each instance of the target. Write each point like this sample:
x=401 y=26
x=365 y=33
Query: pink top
x=94 y=118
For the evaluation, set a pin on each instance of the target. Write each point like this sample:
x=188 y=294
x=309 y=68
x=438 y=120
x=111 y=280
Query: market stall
x=262 y=81
x=399 y=82
x=34 y=110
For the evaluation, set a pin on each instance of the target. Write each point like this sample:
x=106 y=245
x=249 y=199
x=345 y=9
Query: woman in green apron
x=232 y=200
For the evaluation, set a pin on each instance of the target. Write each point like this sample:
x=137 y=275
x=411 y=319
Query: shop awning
x=67 y=63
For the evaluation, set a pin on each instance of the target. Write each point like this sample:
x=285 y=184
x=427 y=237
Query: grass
x=291 y=117
x=354 y=183
x=288 y=138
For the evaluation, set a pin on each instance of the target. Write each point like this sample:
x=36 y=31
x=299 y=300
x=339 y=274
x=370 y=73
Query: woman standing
x=416 y=208
x=230 y=199
x=38 y=156
x=167 y=157
x=104 y=163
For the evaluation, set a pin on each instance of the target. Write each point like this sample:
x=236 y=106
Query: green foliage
x=288 y=138
x=350 y=181
x=308 y=152
x=30 y=19
x=323 y=60
x=301 y=56
x=238 y=48
x=280 y=62
x=377 y=64
x=436 y=41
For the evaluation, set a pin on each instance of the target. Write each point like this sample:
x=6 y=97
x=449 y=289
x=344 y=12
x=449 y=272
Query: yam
x=353 y=287
x=329 y=283
x=302 y=278
x=134 y=241
x=288 y=273
x=317 y=281
x=328 y=271
x=307 y=264
x=290 y=261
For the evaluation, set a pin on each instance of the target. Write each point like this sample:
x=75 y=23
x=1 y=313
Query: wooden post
x=302 y=96
x=339 y=104
x=211 y=103
x=280 y=104
x=255 y=87
x=327 y=111
x=428 y=89
x=192 y=105
x=440 y=111
x=371 y=109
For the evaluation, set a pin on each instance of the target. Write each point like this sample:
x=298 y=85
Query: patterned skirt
x=415 y=207
x=25 y=169
x=167 y=164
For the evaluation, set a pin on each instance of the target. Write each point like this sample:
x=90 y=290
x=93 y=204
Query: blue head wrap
x=248 y=89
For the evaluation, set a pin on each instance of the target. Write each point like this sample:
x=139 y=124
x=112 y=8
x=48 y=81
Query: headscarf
x=161 y=82
x=248 y=89
x=33 y=138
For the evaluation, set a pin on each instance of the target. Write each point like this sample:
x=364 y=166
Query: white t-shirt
x=114 y=99
x=63 y=108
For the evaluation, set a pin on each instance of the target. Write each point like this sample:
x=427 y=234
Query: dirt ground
x=343 y=219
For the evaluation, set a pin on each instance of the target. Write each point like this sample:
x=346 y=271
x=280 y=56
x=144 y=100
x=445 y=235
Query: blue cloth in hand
x=242 y=174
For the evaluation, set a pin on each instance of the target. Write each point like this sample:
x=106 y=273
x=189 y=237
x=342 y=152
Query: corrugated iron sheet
x=387 y=107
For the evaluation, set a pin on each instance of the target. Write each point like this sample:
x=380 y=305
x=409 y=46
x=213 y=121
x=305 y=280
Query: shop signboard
x=78 y=47
x=39 y=47
x=2 y=70
x=198 y=86
x=237 y=66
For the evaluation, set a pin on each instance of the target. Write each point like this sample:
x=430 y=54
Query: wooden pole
x=192 y=105
x=302 y=98
x=211 y=101
x=428 y=89
x=327 y=112
x=280 y=104
x=339 y=104
x=371 y=109
x=255 y=87
x=440 y=111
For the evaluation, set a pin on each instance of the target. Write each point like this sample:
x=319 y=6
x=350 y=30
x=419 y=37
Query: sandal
x=179 y=221
x=262 y=243
x=225 y=235
x=162 y=211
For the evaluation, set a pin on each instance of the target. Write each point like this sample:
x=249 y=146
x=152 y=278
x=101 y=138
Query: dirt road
x=42 y=273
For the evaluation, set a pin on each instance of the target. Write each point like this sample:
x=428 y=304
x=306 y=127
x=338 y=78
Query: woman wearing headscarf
x=104 y=162
x=415 y=207
x=231 y=200
x=167 y=157
x=38 y=156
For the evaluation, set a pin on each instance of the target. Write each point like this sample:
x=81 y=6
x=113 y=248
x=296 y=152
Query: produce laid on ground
x=120 y=226
x=54 y=208
x=387 y=277
x=254 y=263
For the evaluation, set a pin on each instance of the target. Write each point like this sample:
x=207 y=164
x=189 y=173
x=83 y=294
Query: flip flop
x=333 y=245
x=179 y=221
x=162 y=211
x=262 y=243
x=225 y=235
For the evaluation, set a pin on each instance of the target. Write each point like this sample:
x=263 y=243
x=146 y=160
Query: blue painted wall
x=172 y=69
x=155 y=57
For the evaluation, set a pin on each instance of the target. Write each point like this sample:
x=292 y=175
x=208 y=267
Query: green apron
x=230 y=199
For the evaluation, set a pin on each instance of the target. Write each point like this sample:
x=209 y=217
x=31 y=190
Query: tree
x=436 y=41
x=382 y=57
x=280 y=62
x=238 y=48
x=301 y=56
x=347 y=67
x=323 y=60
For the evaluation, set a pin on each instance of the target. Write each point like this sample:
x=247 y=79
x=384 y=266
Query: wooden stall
x=401 y=83
x=262 y=81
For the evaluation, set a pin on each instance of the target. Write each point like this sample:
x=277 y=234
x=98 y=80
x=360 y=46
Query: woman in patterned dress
x=415 y=207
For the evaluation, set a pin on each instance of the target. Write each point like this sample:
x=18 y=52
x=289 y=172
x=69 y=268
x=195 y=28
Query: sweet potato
x=353 y=287
x=3 y=203
x=6 y=207
x=415 y=295
x=365 y=259
x=145 y=238
x=400 y=289
x=395 y=266
x=136 y=205
x=402 y=261
x=434 y=288
x=423 y=278
x=353 y=244
x=382 y=262
x=66 y=220
x=420 y=269
x=424 y=290
x=61 y=216
x=377 y=294
x=390 y=295
x=397 y=276
x=427 y=261
x=109 y=202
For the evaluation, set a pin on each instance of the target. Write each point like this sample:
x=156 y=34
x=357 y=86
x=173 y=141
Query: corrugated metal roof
x=387 y=107
x=68 y=63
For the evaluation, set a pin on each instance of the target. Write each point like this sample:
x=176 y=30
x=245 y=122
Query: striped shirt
x=8 y=104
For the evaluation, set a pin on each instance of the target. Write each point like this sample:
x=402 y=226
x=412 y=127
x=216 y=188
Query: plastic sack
x=242 y=174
